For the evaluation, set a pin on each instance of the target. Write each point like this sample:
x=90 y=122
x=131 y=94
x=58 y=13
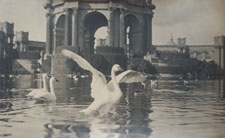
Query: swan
x=45 y=88
x=104 y=94
x=47 y=96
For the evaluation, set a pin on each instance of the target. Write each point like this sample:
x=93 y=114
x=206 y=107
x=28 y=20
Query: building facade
x=6 y=47
x=74 y=23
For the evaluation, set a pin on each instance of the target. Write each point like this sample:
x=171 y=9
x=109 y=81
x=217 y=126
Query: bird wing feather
x=97 y=76
x=83 y=63
x=129 y=76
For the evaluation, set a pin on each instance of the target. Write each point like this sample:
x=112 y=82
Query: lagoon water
x=171 y=110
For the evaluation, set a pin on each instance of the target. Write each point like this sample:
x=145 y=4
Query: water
x=172 y=110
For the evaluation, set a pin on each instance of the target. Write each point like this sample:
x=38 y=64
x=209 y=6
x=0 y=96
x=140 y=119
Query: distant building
x=6 y=53
x=29 y=54
x=200 y=52
x=21 y=57
x=207 y=53
x=23 y=44
x=6 y=47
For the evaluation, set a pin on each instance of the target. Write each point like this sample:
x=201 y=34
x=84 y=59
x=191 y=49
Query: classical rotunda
x=72 y=24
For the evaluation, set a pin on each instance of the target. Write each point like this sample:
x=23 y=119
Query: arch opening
x=94 y=23
x=131 y=30
x=60 y=31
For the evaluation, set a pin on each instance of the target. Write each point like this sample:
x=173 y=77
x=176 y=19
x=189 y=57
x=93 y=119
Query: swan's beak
x=120 y=69
x=49 y=75
x=56 y=80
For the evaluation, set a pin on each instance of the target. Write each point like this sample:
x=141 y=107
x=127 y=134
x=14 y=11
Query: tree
x=141 y=65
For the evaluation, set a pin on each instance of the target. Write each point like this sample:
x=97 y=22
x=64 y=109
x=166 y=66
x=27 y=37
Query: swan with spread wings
x=105 y=93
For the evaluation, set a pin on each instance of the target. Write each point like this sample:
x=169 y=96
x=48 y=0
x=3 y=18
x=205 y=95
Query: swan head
x=54 y=79
x=116 y=68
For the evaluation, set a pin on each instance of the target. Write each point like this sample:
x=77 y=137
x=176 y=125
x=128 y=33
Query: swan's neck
x=52 y=89
x=45 y=84
x=115 y=83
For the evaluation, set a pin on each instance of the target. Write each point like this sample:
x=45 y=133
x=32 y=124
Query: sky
x=197 y=20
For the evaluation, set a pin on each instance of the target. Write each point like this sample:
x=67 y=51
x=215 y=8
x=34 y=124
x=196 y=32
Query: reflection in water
x=139 y=110
x=221 y=88
x=173 y=110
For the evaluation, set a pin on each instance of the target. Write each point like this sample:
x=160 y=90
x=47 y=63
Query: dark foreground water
x=171 y=110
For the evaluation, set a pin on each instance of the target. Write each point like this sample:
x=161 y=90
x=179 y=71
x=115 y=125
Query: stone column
x=148 y=32
x=75 y=29
x=122 y=31
x=110 y=27
x=67 y=21
x=49 y=31
x=49 y=34
x=55 y=38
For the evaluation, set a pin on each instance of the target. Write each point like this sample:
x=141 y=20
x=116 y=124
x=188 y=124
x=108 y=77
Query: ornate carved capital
x=75 y=10
x=48 y=6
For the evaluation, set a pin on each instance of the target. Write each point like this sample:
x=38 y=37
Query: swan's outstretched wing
x=98 y=78
x=83 y=63
x=129 y=76
x=80 y=61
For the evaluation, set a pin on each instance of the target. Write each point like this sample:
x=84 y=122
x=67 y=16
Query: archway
x=92 y=22
x=132 y=28
x=60 y=31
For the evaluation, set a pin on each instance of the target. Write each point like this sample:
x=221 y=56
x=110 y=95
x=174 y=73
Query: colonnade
x=116 y=28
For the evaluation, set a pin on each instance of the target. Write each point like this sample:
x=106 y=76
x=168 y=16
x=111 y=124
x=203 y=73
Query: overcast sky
x=197 y=20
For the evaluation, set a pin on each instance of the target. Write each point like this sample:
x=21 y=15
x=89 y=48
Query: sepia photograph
x=112 y=68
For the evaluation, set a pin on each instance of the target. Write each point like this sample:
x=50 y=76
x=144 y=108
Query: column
x=122 y=31
x=49 y=34
x=148 y=31
x=75 y=29
x=110 y=27
x=55 y=40
x=67 y=20
x=49 y=31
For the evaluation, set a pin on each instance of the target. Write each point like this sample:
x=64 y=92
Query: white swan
x=45 y=88
x=47 y=96
x=105 y=93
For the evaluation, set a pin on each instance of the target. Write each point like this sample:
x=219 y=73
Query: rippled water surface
x=171 y=110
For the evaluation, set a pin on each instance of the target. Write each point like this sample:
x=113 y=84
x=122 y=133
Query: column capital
x=149 y=11
x=111 y=8
x=50 y=9
x=122 y=12
x=75 y=10
x=48 y=6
